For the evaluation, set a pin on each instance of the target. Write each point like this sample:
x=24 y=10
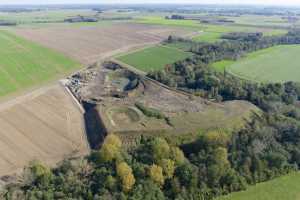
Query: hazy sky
x=269 y=2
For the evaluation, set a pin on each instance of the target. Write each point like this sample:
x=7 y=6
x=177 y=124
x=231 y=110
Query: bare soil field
x=89 y=44
x=45 y=125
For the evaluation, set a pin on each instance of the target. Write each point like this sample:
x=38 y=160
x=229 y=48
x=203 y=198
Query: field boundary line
x=81 y=109
x=143 y=47
x=63 y=84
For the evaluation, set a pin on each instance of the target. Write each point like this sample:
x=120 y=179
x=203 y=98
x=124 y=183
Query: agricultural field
x=185 y=46
x=261 y=20
x=211 y=32
x=286 y=187
x=89 y=44
x=25 y=64
x=154 y=58
x=45 y=124
x=43 y=16
x=162 y=21
x=208 y=37
x=275 y=64
x=223 y=65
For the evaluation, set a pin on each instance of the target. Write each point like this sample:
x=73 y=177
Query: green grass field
x=154 y=58
x=49 y=16
x=261 y=20
x=185 y=46
x=208 y=37
x=160 y=20
x=24 y=64
x=222 y=65
x=275 y=64
x=283 y=188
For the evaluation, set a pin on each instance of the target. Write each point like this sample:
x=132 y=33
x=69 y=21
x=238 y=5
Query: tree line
x=216 y=163
x=196 y=75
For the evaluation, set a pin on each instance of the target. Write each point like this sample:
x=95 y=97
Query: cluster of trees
x=242 y=36
x=175 y=17
x=237 y=46
x=80 y=18
x=197 y=76
x=7 y=23
x=217 y=163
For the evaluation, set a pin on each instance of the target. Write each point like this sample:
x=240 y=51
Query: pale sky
x=265 y=2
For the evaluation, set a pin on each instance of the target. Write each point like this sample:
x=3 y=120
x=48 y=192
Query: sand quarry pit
x=89 y=44
x=147 y=107
x=44 y=125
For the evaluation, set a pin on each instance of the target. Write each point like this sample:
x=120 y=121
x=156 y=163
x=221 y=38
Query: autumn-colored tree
x=113 y=140
x=156 y=174
x=128 y=182
x=161 y=149
x=168 y=167
x=124 y=171
x=216 y=138
x=39 y=170
x=177 y=155
x=109 y=152
x=220 y=156
x=110 y=149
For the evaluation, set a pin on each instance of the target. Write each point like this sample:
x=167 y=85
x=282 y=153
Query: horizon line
x=150 y=3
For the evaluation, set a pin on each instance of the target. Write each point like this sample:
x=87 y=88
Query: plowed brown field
x=88 y=44
x=45 y=125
